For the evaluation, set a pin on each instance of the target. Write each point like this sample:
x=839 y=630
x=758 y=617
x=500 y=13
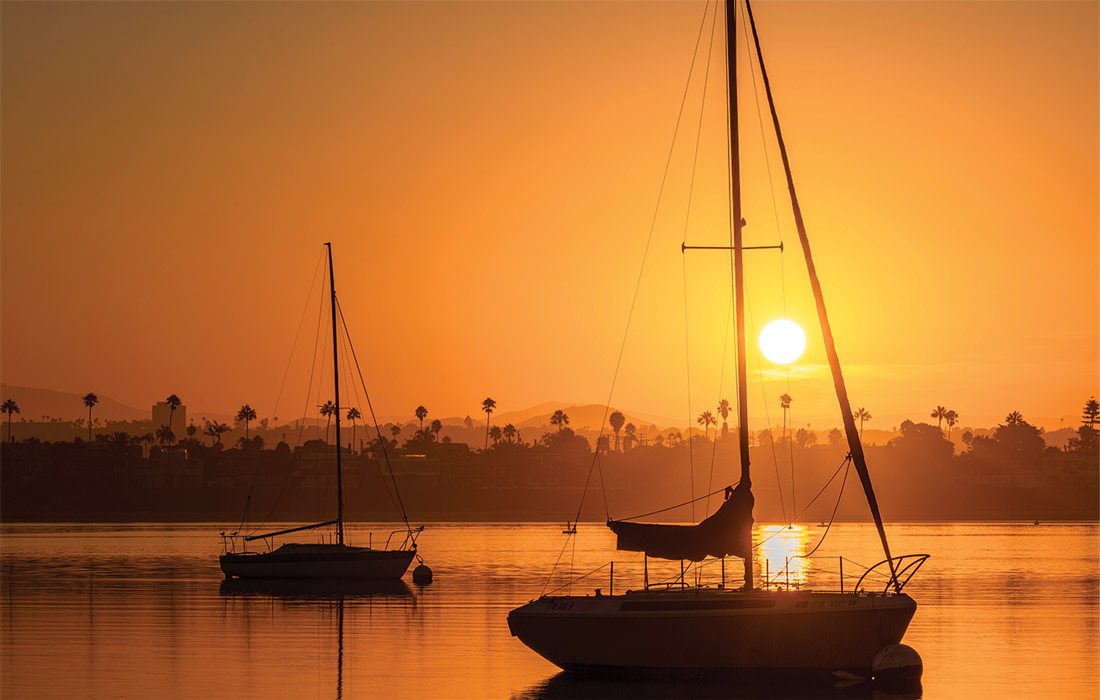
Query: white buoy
x=897 y=666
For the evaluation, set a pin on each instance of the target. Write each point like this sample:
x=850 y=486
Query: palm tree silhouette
x=246 y=415
x=559 y=419
x=10 y=408
x=706 y=419
x=617 y=419
x=328 y=410
x=210 y=430
x=165 y=436
x=509 y=432
x=90 y=400
x=1014 y=418
x=353 y=415
x=861 y=414
x=173 y=402
x=939 y=413
x=496 y=433
x=631 y=431
x=724 y=411
x=952 y=419
x=395 y=430
x=421 y=414
x=488 y=405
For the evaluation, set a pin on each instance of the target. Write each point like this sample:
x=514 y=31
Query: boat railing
x=904 y=568
x=409 y=542
x=787 y=578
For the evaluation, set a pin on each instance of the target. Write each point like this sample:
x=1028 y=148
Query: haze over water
x=1009 y=610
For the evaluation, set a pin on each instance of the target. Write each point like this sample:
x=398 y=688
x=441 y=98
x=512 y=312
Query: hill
x=35 y=403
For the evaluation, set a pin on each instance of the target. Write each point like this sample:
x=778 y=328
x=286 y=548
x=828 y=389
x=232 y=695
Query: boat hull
x=765 y=634
x=305 y=562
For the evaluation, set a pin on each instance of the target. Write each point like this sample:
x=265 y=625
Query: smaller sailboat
x=326 y=560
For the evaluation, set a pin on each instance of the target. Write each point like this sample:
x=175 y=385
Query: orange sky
x=488 y=172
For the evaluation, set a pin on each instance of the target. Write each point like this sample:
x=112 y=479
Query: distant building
x=162 y=413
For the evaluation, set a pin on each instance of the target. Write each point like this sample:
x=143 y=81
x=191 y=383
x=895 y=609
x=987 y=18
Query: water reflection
x=580 y=686
x=780 y=554
x=333 y=589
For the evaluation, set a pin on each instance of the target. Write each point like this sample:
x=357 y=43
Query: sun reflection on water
x=779 y=554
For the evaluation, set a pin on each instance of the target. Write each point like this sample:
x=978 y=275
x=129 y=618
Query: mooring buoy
x=897 y=666
x=422 y=575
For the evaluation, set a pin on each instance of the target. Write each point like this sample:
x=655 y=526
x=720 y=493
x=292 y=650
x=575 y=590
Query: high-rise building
x=162 y=414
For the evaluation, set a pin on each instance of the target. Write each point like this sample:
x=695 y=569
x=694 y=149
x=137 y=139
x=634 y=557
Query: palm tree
x=488 y=405
x=90 y=400
x=496 y=434
x=191 y=430
x=630 y=431
x=559 y=419
x=706 y=419
x=1014 y=418
x=173 y=402
x=952 y=419
x=395 y=430
x=861 y=414
x=9 y=407
x=939 y=413
x=421 y=414
x=509 y=432
x=246 y=415
x=121 y=439
x=353 y=415
x=724 y=411
x=165 y=436
x=210 y=430
x=328 y=410
x=617 y=419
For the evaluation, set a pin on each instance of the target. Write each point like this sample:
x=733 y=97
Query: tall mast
x=855 y=445
x=736 y=225
x=336 y=402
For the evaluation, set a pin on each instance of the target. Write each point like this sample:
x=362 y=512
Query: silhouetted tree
x=468 y=423
x=395 y=430
x=559 y=419
x=436 y=427
x=173 y=402
x=939 y=413
x=165 y=436
x=10 y=408
x=952 y=419
x=631 y=432
x=706 y=419
x=509 y=432
x=861 y=414
x=836 y=438
x=421 y=414
x=659 y=441
x=353 y=416
x=90 y=400
x=1090 y=414
x=724 y=411
x=191 y=430
x=246 y=415
x=328 y=410
x=495 y=433
x=804 y=438
x=617 y=420
x=488 y=405
x=1088 y=438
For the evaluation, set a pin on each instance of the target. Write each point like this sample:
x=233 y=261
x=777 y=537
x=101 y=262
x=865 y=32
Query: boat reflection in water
x=332 y=594
x=580 y=686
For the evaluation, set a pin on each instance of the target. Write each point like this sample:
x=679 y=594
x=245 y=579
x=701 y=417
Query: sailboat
x=323 y=560
x=746 y=630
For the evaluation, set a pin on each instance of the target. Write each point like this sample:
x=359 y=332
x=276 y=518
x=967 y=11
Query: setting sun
x=782 y=341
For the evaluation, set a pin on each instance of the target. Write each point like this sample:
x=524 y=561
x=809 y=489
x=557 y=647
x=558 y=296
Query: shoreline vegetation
x=253 y=471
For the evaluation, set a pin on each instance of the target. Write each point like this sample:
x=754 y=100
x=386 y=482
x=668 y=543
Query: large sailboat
x=321 y=560
x=758 y=631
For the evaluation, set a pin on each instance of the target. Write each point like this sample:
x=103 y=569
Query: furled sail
x=727 y=532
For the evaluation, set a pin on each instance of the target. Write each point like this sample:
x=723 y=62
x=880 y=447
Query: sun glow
x=782 y=341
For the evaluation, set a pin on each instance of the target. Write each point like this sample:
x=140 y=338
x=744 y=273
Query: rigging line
x=554 y=567
x=305 y=409
x=721 y=384
x=374 y=419
x=687 y=222
x=648 y=242
x=678 y=505
x=297 y=333
x=833 y=516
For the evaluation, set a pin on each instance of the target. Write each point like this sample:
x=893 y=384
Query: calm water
x=1005 y=610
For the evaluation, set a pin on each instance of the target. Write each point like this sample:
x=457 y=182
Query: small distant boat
x=337 y=560
x=570 y=529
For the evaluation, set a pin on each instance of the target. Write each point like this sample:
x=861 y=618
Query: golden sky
x=488 y=173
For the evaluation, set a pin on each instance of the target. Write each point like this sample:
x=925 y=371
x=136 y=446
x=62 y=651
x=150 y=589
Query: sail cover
x=727 y=532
